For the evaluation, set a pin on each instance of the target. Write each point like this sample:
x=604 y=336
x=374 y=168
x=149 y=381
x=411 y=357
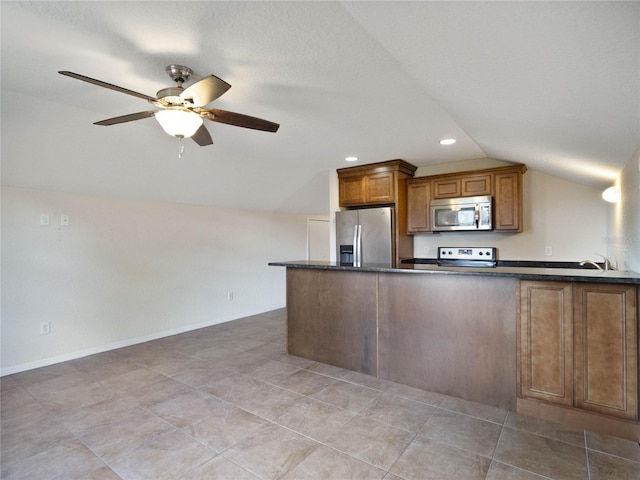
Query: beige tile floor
x=228 y=402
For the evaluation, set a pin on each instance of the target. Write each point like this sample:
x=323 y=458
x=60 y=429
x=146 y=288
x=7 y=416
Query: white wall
x=568 y=217
x=624 y=218
x=126 y=271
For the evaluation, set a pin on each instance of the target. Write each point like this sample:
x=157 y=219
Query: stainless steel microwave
x=464 y=213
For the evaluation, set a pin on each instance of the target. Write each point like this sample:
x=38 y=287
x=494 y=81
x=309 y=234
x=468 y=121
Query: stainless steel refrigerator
x=365 y=236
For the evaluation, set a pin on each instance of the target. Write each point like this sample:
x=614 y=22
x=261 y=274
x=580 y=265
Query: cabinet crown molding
x=388 y=166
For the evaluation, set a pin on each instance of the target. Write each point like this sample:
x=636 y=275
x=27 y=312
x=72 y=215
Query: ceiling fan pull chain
x=180 y=147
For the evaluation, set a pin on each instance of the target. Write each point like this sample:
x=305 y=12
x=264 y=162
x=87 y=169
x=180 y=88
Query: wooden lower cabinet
x=578 y=346
x=546 y=348
x=606 y=349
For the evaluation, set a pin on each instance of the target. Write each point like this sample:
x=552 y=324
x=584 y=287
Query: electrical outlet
x=44 y=219
x=230 y=296
x=548 y=251
x=64 y=220
x=45 y=328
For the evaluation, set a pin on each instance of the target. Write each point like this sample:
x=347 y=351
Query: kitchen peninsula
x=556 y=343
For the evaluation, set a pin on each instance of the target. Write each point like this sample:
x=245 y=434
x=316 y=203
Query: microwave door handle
x=477 y=215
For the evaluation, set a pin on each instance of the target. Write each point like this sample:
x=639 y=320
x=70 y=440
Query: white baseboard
x=45 y=362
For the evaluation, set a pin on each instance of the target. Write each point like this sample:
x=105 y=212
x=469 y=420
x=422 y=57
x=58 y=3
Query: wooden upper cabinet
x=504 y=184
x=446 y=188
x=546 y=329
x=606 y=349
x=380 y=188
x=418 y=214
x=508 y=202
x=476 y=185
x=465 y=185
x=373 y=184
x=352 y=190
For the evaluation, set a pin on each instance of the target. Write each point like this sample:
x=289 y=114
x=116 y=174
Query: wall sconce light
x=612 y=194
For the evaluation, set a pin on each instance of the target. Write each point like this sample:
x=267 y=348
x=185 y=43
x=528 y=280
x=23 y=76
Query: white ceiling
x=555 y=85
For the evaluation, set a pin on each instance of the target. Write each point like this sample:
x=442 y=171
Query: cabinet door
x=606 y=349
x=446 y=188
x=380 y=188
x=352 y=190
x=476 y=185
x=508 y=202
x=546 y=330
x=418 y=215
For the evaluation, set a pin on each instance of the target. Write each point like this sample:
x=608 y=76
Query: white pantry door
x=318 y=241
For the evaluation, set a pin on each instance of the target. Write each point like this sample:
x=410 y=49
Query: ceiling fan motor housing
x=179 y=73
x=171 y=95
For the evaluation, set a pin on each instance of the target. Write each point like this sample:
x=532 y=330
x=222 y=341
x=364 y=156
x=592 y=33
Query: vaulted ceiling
x=555 y=85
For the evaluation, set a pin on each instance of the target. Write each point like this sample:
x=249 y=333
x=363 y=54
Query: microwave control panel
x=467 y=253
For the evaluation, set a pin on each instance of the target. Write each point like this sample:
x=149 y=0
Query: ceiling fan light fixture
x=179 y=123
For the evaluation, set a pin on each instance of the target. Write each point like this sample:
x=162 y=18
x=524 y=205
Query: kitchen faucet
x=591 y=262
x=605 y=261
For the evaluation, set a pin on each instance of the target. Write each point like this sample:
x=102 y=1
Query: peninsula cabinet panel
x=331 y=318
x=418 y=214
x=606 y=349
x=546 y=329
x=450 y=334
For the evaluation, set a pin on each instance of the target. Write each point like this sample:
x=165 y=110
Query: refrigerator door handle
x=357 y=246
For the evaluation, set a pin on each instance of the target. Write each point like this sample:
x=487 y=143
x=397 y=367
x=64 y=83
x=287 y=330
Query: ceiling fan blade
x=240 y=120
x=100 y=83
x=205 y=91
x=202 y=137
x=126 y=118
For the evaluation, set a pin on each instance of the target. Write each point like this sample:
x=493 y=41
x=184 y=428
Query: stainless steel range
x=467 y=256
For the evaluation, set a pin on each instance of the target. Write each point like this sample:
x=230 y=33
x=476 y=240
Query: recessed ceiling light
x=448 y=141
x=351 y=159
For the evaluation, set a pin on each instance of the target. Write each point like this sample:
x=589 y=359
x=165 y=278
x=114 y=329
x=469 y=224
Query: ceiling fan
x=181 y=110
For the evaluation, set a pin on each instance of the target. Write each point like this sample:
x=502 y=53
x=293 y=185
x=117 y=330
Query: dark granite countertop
x=523 y=270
